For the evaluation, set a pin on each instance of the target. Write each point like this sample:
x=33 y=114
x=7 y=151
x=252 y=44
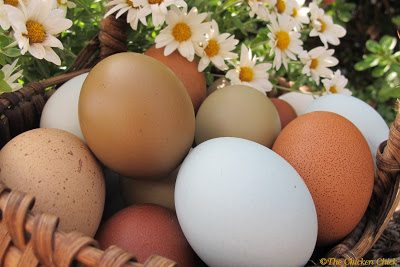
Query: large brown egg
x=136 y=116
x=238 y=111
x=146 y=230
x=58 y=169
x=285 y=110
x=186 y=71
x=333 y=158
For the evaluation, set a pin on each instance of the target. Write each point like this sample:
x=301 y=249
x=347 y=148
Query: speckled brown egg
x=186 y=71
x=238 y=111
x=285 y=110
x=59 y=170
x=136 y=116
x=146 y=230
x=333 y=158
x=160 y=192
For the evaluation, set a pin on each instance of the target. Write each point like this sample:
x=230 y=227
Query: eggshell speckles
x=333 y=158
x=146 y=230
x=186 y=71
x=59 y=170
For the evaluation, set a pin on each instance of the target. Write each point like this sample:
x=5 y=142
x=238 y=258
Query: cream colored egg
x=160 y=192
x=59 y=170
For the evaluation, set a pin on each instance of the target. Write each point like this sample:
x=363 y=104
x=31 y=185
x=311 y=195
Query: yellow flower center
x=59 y=2
x=281 y=6
x=181 y=32
x=314 y=63
x=246 y=74
x=36 y=32
x=333 y=90
x=11 y=2
x=282 y=40
x=294 y=12
x=212 y=49
x=323 y=25
x=152 y=2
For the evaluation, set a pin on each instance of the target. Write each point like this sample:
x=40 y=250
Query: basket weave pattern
x=33 y=240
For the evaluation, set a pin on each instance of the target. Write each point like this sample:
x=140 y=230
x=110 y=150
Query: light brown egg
x=333 y=158
x=59 y=170
x=186 y=71
x=285 y=110
x=146 y=230
x=160 y=192
x=238 y=111
x=136 y=116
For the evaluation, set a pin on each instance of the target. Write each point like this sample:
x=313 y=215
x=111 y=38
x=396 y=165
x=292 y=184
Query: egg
x=238 y=111
x=146 y=230
x=136 y=116
x=186 y=71
x=61 y=110
x=160 y=192
x=218 y=84
x=362 y=115
x=333 y=158
x=285 y=111
x=59 y=170
x=299 y=101
x=240 y=204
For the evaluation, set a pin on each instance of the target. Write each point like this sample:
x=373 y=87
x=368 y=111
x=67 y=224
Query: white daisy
x=317 y=62
x=184 y=32
x=281 y=6
x=35 y=27
x=323 y=26
x=10 y=77
x=300 y=14
x=249 y=73
x=336 y=84
x=284 y=41
x=135 y=10
x=217 y=48
x=4 y=21
x=159 y=9
x=258 y=8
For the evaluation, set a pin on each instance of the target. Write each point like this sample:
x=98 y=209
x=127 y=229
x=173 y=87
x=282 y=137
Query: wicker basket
x=32 y=240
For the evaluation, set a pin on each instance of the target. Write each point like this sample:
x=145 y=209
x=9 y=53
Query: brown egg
x=186 y=71
x=160 y=192
x=285 y=111
x=59 y=170
x=333 y=158
x=136 y=116
x=146 y=230
x=238 y=111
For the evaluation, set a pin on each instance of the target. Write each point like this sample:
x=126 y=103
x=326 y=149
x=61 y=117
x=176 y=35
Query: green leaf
x=391 y=76
x=2 y=75
x=388 y=92
x=4 y=87
x=388 y=43
x=380 y=71
x=368 y=62
x=373 y=46
x=12 y=52
x=396 y=20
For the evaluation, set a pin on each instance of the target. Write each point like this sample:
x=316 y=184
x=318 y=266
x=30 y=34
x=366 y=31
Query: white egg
x=299 y=101
x=240 y=204
x=61 y=110
x=362 y=115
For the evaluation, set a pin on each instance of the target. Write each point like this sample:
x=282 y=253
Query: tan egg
x=238 y=111
x=186 y=71
x=218 y=84
x=136 y=116
x=334 y=160
x=59 y=170
x=160 y=192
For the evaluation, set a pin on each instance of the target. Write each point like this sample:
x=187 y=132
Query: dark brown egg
x=136 y=116
x=186 y=71
x=146 y=230
x=285 y=110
